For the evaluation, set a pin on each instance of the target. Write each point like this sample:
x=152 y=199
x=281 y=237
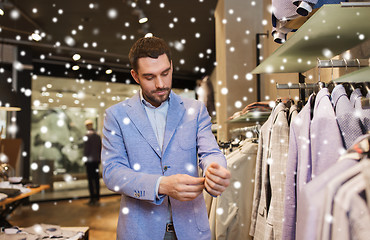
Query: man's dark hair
x=151 y=47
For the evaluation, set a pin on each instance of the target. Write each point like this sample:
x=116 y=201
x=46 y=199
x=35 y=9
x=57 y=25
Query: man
x=92 y=153
x=150 y=148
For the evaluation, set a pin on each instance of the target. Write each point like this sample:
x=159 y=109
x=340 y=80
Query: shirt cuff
x=158 y=196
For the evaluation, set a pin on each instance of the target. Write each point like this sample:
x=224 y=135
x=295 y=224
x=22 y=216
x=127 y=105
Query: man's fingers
x=210 y=189
x=193 y=188
x=192 y=180
x=220 y=172
x=188 y=196
x=214 y=165
x=220 y=187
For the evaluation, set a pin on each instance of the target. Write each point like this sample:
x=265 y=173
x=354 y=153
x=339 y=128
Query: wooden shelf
x=330 y=31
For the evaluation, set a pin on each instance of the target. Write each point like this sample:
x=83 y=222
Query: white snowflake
x=126 y=121
x=237 y=184
x=125 y=210
x=35 y=207
x=219 y=211
x=137 y=167
x=190 y=167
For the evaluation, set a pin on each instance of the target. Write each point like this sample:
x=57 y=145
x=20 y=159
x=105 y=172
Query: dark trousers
x=92 y=169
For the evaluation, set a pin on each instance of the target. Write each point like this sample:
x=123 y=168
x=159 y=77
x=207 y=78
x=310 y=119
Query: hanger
x=290 y=101
x=278 y=99
x=367 y=88
x=316 y=89
x=332 y=84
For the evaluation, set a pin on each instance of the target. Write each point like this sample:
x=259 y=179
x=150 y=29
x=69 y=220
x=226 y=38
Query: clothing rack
x=355 y=4
x=255 y=128
x=246 y=132
x=335 y=63
x=332 y=63
x=297 y=85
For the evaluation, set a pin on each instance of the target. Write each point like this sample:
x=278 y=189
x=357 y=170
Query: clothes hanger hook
x=319 y=66
x=277 y=90
x=332 y=69
x=345 y=62
x=359 y=64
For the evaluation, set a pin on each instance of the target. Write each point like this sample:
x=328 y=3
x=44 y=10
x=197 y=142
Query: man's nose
x=159 y=83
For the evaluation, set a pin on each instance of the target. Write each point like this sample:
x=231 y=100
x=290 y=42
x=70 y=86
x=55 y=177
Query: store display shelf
x=251 y=117
x=332 y=30
x=362 y=75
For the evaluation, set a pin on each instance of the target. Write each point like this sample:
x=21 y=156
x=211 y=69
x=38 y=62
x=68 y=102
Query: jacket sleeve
x=208 y=150
x=257 y=186
x=290 y=196
x=117 y=172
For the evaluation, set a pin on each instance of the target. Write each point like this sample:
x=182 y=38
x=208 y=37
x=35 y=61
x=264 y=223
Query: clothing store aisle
x=101 y=219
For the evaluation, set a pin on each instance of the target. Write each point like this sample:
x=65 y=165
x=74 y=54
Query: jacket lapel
x=139 y=118
x=175 y=113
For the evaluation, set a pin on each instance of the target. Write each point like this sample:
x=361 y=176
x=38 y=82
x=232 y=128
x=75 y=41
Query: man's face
x=155 y=78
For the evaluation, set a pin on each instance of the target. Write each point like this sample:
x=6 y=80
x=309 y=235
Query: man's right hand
x=181 y=186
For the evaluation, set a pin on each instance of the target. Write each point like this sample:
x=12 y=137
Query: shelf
x=330 y=31
x=251 y=117
x=362 y=75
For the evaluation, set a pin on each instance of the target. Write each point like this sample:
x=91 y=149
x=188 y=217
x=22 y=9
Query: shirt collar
x=148 y=104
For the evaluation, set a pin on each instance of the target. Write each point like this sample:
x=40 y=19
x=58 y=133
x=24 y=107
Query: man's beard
x=158 y=99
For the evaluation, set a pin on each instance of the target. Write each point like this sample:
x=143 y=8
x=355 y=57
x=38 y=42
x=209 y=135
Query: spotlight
x=149 y=35
x=143 y=20
x=36 y=37
x=1 y=8
x=76 y=57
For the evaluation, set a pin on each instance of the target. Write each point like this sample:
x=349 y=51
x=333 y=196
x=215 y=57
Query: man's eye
x=165 y=74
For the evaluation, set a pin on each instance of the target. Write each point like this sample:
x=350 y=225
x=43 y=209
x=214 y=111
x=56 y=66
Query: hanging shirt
x=349 y=122
x=311 y=207
x=363 y=113
x=236 y=201
x=268 y=196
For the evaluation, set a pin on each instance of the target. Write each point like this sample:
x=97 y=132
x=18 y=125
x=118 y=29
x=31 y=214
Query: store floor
x=101 y=219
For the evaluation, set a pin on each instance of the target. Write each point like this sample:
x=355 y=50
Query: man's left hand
x=217 y=178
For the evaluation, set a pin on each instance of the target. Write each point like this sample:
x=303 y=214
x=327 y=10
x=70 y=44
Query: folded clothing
x=11 y=192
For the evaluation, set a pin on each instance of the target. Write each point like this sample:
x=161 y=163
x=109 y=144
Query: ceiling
x=102 y=32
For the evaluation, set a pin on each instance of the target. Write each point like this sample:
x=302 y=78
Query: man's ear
x=135 y=76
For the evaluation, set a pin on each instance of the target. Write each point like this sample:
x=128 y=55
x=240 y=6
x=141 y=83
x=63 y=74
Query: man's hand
x=217 y=179
x=181 y=186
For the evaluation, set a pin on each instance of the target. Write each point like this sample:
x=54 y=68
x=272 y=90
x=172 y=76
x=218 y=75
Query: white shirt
x=157 y=117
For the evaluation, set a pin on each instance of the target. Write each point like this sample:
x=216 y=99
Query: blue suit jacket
x=133 y=162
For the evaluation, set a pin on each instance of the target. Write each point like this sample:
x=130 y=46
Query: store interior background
x=55 y=100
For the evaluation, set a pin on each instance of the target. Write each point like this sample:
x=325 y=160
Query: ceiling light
x=75 y=67
x=149 y=35
x=1 y=9
x=143 y=20
x=36 y=37
x=108 y=71
x=76 y=57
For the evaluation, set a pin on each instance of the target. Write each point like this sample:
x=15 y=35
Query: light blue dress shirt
x=157 y=117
